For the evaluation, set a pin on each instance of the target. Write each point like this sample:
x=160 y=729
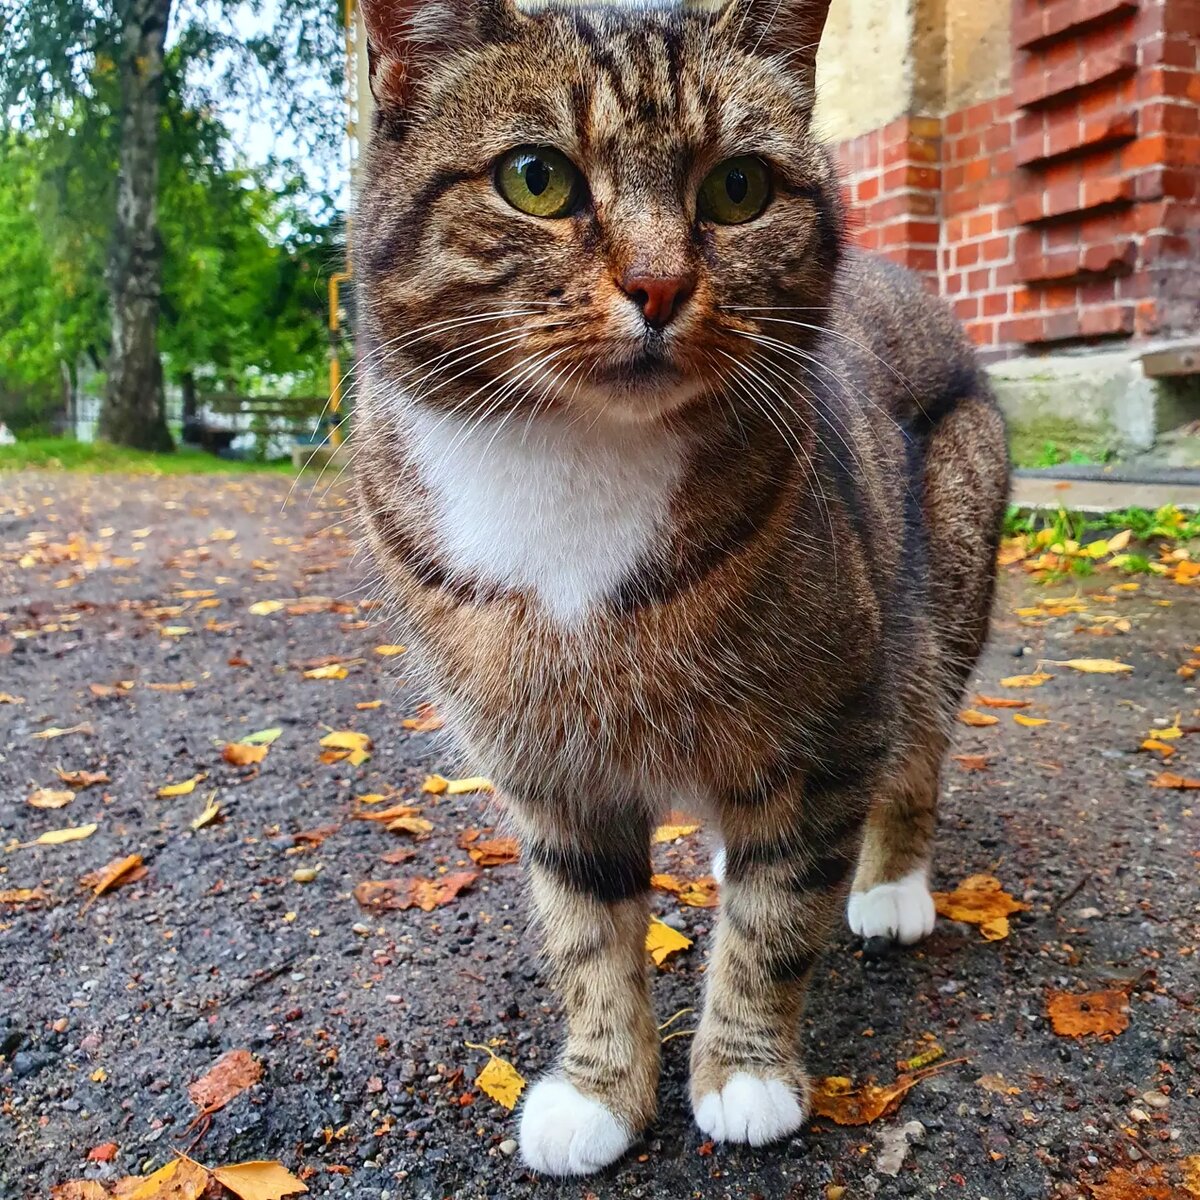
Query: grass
x=66 y=454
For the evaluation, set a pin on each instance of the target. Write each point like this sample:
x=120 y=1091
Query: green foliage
x=66 y=454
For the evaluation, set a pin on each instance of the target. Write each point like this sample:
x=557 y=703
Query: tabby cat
x=683 y=503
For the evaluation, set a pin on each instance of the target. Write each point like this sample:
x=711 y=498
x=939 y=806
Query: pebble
x=508 y=1147
x=1155 y=1100
x=894 y=1146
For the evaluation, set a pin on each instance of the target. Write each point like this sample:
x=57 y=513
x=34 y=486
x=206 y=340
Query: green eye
x=736 y=191
x=538 y=181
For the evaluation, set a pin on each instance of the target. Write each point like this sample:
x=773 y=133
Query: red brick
x=995 y=304
x=1098 y=67
x=1068 y=18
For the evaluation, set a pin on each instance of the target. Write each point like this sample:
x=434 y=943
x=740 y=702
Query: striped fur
x=746 y=559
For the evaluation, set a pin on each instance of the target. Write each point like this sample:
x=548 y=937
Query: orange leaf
x=417 y=892
x=836 y=1098
x=979 y=900
x=79 y=1189
x=82 y=779
x=426 y=721
x=973 y=717
x=1168 y=779
x=23 y=895
x=258 y=1180
x=496 y=852
x=697 y=893
x=972 y=762
x=105 y=1152
x=119 y=871
x=1026 y=681
x=1001 y=702
x=240 y=754
x=231 y=1074
x=1104 y=1014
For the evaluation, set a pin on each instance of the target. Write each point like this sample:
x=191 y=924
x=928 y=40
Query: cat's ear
x=788 y=28
x=404 y=35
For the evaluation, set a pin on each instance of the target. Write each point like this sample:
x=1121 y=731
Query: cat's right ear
x=788 y=28
x=404 y=35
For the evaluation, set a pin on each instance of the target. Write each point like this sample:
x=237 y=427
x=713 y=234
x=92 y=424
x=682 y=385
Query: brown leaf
x=696 y=893
x=82 y=779
x=50 y=798
x=1123 y=1184
x=118 y=872
x=419 y=827
x=495 y=852
x=416 y=892
x=979 y=900
x=972 y=762
x=387 y=814
x=1001 y=702
x=401 y=854
x=79 y=1189
x=1168 y=779
x=105 y=1152
x=1103 y=1014
x=23 y=895
x=239 y=754
x=232 y=1073
x=836 y=1098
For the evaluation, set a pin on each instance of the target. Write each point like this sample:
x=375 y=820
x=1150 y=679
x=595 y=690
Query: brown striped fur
x=790 y=649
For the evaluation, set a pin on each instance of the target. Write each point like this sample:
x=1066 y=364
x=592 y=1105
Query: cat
x=682 y=502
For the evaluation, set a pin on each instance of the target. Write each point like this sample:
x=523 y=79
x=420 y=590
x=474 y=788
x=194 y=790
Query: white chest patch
x=562 y=508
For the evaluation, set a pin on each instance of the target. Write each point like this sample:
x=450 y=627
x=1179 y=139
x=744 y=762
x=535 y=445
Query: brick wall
x=1068 y=211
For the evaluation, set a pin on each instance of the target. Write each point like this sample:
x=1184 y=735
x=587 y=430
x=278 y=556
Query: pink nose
x=659 y=297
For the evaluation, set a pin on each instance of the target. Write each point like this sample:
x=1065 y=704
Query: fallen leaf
x=435 y=785
x=333 y=671
x=49 y=798
x=55 y=732
x=836 y=1098
x=180 y=1179
x=392 y=813
x=401 y=855
x=263 y=737
x=662 y=941
x=1168 y=779
x=1095 y=666
x=417 y=892
x=494 y=852
x=1001 y=702
x=23 y=895
x=1026 y=681
x=9 y=698
x=499 y=1079
x=460 y=787
x=212 y=810
x=258 y=1180
x=105 y=1152
x=181 y=789
x=366 y=704
x=698 y=893
x=184 y=685
x=389 y=650
x=997 y=1084
x=82 y=779
x=972 y=762
x=979 y=900
x=264 y=608
x=973 y=717
x=346 y=744
x=427 y=720
x=242 y=754
x=79 y=1189
x=1191 y=1175
x=1143 y=1184
x=56 y=837
x=417 y=826
x=232 y=1073
x=1029 y=722
x=1103 y=1014
x=668 y=833
x=117 y=872
x=1164 y=748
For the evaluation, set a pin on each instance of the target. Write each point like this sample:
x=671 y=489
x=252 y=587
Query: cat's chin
x=636 y=402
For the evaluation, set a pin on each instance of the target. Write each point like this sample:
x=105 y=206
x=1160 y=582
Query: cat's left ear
x=405 y=36
x=790 y=28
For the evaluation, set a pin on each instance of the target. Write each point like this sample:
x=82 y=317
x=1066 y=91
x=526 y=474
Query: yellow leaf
x=500 y=1080
x=55 y=837
x=1026 y=681
x=973 y=717
x=663 y=941
x=417 y=826
x=264 y=737
x=346 y=739
x=180 y=1179
x=477 y=783
x=388 y=651
x=435 y=785
x=1191 y=1175
x=49 y=798
x=185 y=788
x=1095 y=666
x=264 y=608
x=332 y=671
x=668 y=833
x=9 y=698
x=1120 y=541
x=174 y=631
x=1171 y=733
x=1029 y=722
x=211 y=811
x=258 y=1180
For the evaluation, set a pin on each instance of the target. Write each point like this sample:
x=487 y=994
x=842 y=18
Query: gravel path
x=111 y=1005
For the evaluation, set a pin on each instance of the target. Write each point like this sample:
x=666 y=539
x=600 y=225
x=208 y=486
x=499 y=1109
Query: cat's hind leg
x=591 y=894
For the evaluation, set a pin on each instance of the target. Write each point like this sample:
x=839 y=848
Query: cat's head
x=582 y=205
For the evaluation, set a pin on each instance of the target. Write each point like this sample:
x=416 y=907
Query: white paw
x=902 y=910
x=750 y=1109
x=564 y=1132
x=718 y=866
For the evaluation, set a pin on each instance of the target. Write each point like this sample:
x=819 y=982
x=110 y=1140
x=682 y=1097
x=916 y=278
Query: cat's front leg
x=591 y=894
x=785 y=879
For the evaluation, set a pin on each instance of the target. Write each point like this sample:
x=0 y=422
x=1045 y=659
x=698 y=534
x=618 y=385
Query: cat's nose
x=659 y=297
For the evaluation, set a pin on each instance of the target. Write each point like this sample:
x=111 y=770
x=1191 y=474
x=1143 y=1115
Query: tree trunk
x=133 y=412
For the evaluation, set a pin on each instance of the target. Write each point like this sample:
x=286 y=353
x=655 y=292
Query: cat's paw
x=750 y=1109
x=564 y=1132
x=902 y=911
